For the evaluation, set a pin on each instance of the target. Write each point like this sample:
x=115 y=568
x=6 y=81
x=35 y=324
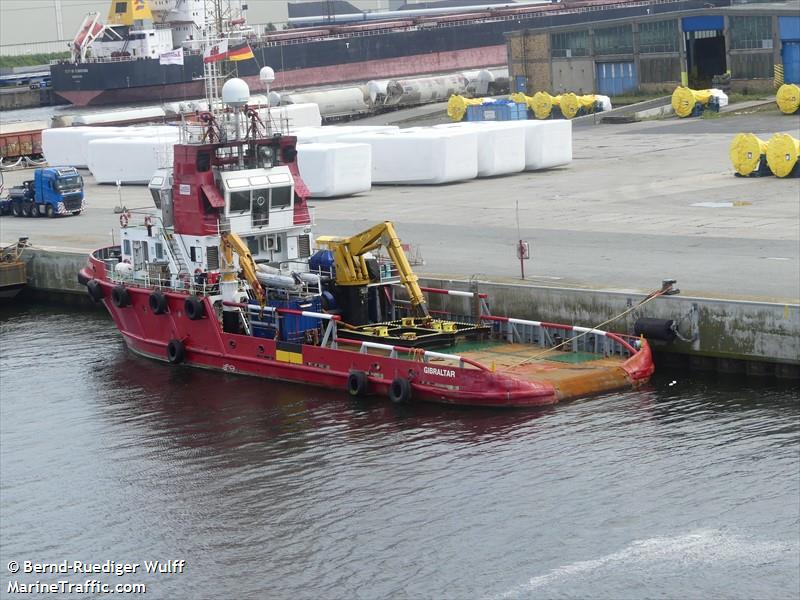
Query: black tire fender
x=400 y=390
x=194 y=307
x=120 y=297
x=357 y=384
x=158 y=303
x=95 y=290
x=176 y=352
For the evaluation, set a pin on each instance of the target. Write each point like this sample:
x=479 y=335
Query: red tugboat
x=226 y=274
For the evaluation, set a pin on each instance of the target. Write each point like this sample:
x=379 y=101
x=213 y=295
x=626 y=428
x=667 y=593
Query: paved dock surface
x=639 y=203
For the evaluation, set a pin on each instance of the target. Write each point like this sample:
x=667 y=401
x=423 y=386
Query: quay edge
x=720 y=334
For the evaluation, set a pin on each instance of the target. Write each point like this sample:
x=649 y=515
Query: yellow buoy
x=747 y=153
x=783 y=152
x=457 y=106
x=684 y=100
x=788 y=98
x=543 y=104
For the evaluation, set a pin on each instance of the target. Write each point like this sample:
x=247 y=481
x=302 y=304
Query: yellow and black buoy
x=572 y=105
x=788 y=98
x=457 y=106
x=783 y=154
x=749 y=155
x=543 y=104
x=685 y=100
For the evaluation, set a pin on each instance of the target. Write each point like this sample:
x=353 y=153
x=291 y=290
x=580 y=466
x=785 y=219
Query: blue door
x=790 y=56
x=616 y=78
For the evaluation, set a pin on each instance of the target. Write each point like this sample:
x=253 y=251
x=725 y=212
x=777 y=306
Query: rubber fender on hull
x=194 y=307
x=400 y=391
x=176 y=352
x=95 y=290
x=357 y=384
x=655 y=329
x=120 y=297
x=158 y=303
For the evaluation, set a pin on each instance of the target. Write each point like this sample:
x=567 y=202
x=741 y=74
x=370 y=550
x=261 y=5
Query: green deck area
x=491 y=347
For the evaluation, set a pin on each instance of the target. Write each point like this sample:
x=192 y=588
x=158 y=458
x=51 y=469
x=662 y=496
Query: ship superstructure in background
x=138 y=29
x=308 y=56
x=226 y=274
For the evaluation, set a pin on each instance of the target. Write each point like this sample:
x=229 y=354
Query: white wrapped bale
x=547 y=143
x=330 y=170
x=81 y=149
x=116 y=116
x=421 y=156
x=129 y=160
x=59 y=145
x=292 y=116
x=722 y=97
x=501 y=145
x=332 y=133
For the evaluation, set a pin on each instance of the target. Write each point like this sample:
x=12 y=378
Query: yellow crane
x=351 y=267
x=233 y=243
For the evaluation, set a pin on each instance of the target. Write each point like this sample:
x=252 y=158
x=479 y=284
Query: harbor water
x=689 y=488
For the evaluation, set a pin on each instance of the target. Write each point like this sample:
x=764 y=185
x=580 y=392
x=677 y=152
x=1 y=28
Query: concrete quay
x=641 y=202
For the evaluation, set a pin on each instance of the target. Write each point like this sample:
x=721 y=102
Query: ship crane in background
x=351 y=265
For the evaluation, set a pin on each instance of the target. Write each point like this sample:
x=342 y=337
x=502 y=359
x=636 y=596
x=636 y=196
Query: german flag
x=240 y=51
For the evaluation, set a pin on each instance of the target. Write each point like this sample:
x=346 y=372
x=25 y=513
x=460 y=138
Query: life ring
x=124 y=218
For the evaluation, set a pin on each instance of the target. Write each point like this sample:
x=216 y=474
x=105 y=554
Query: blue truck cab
x=52 y=191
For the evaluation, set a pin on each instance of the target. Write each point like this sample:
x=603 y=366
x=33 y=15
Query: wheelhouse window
x=240 y=201
x=281 y=197
x=260 y=207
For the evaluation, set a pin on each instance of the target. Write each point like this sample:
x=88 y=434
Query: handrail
x=462 y=360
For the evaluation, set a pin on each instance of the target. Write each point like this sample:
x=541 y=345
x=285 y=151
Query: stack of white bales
x=501 y=146
x=330 y=168
x=292 y=116
x=421 y=156
x=131 y=159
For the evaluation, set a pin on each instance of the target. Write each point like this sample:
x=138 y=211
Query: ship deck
x=572 y=374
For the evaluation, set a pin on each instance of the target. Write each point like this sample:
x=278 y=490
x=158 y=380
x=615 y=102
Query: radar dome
x=274 y=99
x=266 y=75
x=235 y=92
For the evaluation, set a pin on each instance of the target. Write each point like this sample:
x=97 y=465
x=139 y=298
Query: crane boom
x=233 y=243
x=351 y=267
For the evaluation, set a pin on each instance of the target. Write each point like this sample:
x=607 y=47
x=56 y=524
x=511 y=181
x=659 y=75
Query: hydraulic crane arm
x=233 y=243
x=351 y=267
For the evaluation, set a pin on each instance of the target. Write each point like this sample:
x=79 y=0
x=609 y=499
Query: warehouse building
x=757 y=46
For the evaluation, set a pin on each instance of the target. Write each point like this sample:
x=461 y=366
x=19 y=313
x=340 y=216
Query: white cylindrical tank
x=376 y=90
x=332 y=103
x=425 y=89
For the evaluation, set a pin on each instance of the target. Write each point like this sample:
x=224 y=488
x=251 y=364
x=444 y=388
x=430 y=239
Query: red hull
x=207 y=346
x=434 y=62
